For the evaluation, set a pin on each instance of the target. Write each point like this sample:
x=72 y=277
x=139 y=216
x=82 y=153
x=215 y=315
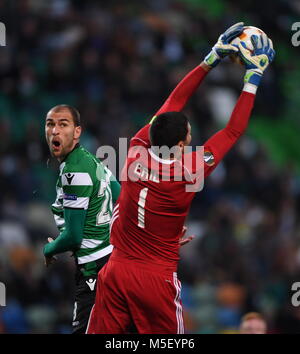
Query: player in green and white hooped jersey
x=86 y=190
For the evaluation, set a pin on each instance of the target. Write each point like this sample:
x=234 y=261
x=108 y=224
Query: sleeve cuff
x=250 y=88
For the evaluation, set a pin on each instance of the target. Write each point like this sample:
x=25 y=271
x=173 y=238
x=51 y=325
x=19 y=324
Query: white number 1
x=141 y=208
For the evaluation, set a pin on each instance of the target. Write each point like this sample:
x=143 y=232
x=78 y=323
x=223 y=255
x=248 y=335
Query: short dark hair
x=168 y=129
x=74 y=112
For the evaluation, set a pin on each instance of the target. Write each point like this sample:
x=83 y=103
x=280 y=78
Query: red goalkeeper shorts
x=131 y=294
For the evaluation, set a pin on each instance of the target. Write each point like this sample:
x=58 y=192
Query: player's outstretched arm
x=188 y=85
x=255 y=63
x=184 y=90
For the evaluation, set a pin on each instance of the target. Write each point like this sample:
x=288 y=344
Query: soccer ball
x=245 y=37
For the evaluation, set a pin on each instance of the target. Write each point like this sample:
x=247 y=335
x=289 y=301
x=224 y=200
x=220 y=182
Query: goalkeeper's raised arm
x=188 y=85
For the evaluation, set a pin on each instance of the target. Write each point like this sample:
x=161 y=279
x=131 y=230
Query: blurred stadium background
x=117 y=61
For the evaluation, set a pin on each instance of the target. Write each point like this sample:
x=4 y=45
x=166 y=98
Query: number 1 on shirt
x=141 y=208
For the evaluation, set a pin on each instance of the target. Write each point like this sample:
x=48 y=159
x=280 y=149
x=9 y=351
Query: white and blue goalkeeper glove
x=223 y=47
x=258 y=60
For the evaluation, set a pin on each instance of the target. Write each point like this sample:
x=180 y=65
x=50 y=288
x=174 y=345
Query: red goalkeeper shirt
x=150 y=212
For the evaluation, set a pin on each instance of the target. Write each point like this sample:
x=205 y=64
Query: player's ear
x=77 y=132
x=181 y=145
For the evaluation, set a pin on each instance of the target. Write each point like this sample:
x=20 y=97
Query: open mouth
x=55 y=144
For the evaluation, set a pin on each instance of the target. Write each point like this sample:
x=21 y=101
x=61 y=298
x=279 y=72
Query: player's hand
x=223 y=47
x=49 y=259
x=257 y=61
x=183 y=241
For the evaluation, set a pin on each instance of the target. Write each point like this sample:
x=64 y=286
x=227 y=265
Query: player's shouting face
x=61 y=132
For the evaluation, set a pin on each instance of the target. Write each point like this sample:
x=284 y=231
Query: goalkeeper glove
x=258 y=60
x=223 y=47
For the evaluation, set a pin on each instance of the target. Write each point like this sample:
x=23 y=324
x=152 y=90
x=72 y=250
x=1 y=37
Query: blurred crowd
x=116 y=62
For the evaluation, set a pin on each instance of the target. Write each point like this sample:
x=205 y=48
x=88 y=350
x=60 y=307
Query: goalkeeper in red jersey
x=139 y=284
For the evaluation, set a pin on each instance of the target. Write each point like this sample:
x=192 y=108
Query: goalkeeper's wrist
x=212 y=59
x=251 y=81
x=252 y=77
